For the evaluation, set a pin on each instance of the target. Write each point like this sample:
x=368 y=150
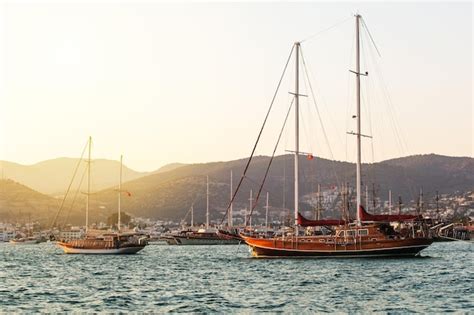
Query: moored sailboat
x=204 y=236
x=25 y=240
x=109 y=242
x=367 y=236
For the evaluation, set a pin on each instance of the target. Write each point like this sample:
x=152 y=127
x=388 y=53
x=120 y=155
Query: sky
x=191 y=82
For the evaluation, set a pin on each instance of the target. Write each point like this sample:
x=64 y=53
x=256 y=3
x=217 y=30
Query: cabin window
x=340 y=233
x=322 y=241
x=363 y=232
x=351 y=233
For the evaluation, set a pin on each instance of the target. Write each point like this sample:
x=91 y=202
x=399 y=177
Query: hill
x=169 y=167
x=19 y=203
x=52 y=177
x=170 y=194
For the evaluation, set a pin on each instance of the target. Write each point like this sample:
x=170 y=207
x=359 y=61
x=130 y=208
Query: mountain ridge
x=169 y=194
x=59 y=171
x=163 y=195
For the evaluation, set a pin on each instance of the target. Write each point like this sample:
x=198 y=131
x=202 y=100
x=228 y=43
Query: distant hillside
x=19 y=203
x=170 y=194
x=52 y=177
x=169 y=167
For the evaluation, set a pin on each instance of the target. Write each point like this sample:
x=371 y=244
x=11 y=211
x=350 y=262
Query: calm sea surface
x=224 y=279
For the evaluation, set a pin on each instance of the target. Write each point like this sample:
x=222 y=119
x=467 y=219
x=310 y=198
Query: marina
x=275 y=161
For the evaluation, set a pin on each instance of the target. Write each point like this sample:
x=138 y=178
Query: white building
x=72 y=234
x=7 y=235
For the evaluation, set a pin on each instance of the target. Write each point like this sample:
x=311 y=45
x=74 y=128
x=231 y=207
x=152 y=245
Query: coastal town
x=454 y=210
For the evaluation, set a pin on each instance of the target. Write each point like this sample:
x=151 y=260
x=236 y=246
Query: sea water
x=218 y=279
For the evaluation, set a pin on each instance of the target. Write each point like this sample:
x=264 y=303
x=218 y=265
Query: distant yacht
x=203 y=236
x=25 y=240
x=28 y=239
x=109 y=242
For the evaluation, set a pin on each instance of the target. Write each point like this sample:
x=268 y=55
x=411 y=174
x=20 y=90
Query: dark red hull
x=332 y=246
x=384 y=252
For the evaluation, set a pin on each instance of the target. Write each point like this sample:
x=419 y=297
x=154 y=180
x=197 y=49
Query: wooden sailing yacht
x=367 y=236
x=104 y=243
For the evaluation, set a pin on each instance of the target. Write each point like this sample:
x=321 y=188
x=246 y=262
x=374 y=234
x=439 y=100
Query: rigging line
x=399 y=136
x=75 y=196
x=69 y=187
x=259 y=135
x=367 y=107
x=323 y=102
x=190 y=208
x=320 y=120
x=186 y=216
x=284 y=182
x=392 y=122
x=394 y=114
x=306 y=127
x=379 y=120
x=349 y=101
x=378 y=72
x=307 y=134
x=325 y=30
x=254 y=182
x=271 y=160
x=370 y=36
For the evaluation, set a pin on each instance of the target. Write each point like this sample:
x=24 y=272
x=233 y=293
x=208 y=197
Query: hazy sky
x=191 y=82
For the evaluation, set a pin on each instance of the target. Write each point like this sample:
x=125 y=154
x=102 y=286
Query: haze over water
x=191 y=82
x=224 y=279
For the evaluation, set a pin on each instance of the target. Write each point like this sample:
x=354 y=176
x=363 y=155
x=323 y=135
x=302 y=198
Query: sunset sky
x=191 y=82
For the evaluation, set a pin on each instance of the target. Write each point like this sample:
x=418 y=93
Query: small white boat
x=25 y=241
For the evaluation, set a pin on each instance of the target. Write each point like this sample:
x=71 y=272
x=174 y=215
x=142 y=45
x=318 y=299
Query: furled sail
x=302 y=221
x=365 y=216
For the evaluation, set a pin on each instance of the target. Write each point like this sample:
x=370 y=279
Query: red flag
x=310 y=157
x=128 y=193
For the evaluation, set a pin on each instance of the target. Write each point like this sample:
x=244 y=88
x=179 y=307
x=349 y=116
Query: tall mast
x=359 y=157
x=390 y=202
x=192 y=215
x=297 y=133
x=88 y=184
x=374 y=203
x=231 y=204
x=346 y=201
x=284 y=183
x=266 y=214
x=319 y=207
x=207 y=202
x=250 y=209
x=367 y=204
x=421 y=200
x=120 y=194
x=437 y=205
x=399 y=205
